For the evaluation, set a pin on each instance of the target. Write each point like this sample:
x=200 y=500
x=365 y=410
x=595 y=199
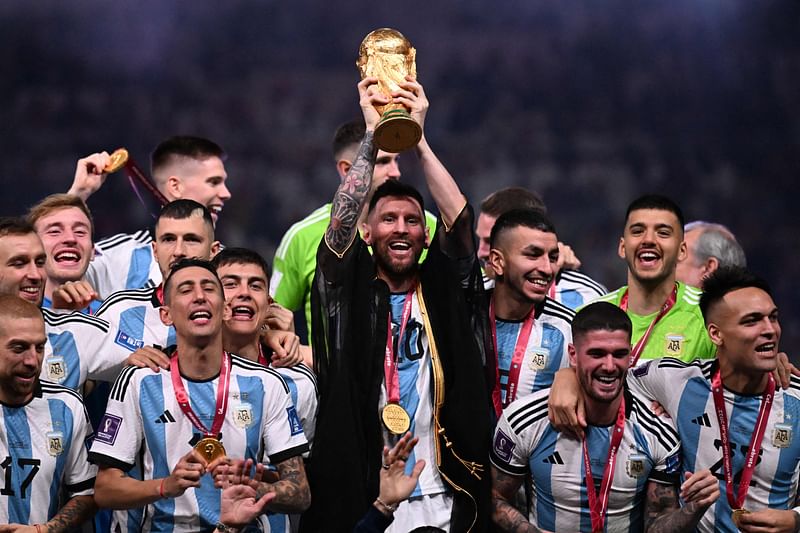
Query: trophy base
x=397 y=131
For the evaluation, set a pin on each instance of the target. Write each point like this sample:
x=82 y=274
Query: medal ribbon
x=668 y=304
x=599 y=506
x=390 y=371
x=222 y=395
x=755 y=440
x=516 y=359
x=261 y=358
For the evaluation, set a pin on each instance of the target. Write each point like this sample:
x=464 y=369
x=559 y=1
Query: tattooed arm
x=352 y=193
x=504 y=515
x=292 y=494
x=75 y=512
x=662 y=513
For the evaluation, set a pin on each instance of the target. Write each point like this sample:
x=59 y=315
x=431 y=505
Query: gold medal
x=210 y=448
x=736 y=516
x=395 y=418
x=118 y=159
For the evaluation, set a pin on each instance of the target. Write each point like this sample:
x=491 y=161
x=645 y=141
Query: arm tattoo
x=75 y=512
x=350 y=197
x=662 y=513
x=292 y=494
x=504 y=515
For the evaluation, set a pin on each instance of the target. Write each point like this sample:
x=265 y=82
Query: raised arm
x=443 y=187
x=89 y=175
x=351 y=195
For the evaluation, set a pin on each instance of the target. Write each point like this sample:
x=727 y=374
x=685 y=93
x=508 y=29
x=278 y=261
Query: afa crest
x=782 y=435
x=55 y=443
x=56 y=369
x=635 y=467
x=243 y=415
x=674 y=344
x=538 y=358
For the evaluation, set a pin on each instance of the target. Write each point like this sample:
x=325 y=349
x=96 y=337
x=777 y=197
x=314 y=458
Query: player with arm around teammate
x=629 y=456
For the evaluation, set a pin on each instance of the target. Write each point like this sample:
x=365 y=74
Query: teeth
x=606 y=379
x=200 y=314
x=239 y=310
x=399 y=246
x=67 y=256
x=648 y=256
x=215 y=209
x=30 y=290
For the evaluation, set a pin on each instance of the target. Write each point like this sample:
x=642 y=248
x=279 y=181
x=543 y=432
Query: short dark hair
x=347 y=135
x=656 y=201
x=186 y=263
x=241 y=256
x=396 y=188
x=15 y=226
x=600 y=316
x=728 y=279
x=510 y=198
x=527 y=218
x=184 y=146
x=183 y=209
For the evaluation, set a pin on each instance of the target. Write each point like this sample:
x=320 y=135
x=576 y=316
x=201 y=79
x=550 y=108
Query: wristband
x=390 y=508
x=160 y=490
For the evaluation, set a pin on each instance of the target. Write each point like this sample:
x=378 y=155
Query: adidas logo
x=165 y=418
x=554 y=459
x=702 y=420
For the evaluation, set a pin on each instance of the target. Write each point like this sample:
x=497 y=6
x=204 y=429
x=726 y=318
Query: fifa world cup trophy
x=387 y=55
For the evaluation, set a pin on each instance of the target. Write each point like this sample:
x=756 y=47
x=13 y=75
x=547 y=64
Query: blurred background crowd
x=588 y=103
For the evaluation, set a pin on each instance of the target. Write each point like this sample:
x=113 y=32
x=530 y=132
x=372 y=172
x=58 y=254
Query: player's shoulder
x=661 y=428
x=139 y=238
x=794 y=387
x=69 y=396
x=129 y=378
x=269 y=375
x=558 y=311
x=300 y=372
x=613 y=296
x=125 y=298
x=671 y=368
x=525 y=412
x=73 y=320
x=577 y=277
x=688 y=295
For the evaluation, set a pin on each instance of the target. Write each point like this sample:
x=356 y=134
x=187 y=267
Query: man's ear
x=163 y=314
x=366 y=233
x=573 y=355
x=711 y=264
x=497 y=261
x=174 y=187
x=343 y=166
x=621 y=248
x=215 y=246
x=715 y=333
x=227 y=311
x=682 y=251
x=427 y=236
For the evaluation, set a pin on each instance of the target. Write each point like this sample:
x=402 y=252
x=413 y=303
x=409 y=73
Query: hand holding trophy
x=387 y=55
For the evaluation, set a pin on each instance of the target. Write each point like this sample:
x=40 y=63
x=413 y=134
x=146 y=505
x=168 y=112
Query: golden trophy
x=387 y=55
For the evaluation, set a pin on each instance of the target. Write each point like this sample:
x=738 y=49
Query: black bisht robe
x=350 y=306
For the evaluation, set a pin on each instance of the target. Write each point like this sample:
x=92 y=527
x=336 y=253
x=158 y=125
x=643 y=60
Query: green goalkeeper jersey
x=681 y=333
x=296 y=259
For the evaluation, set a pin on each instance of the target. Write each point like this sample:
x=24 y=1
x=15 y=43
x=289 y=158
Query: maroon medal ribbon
x=639 y=348
x=390 y=371
x=262 y=360
x=599 y=505
x=222 y=395
x=516 y=359
x=755 y=440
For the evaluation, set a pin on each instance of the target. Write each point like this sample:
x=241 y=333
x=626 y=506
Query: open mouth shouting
x=242 y=312
x=648 y=258
x=215 y=211
x=200 y=317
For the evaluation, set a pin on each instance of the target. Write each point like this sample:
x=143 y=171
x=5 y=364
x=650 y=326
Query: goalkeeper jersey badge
x=674 y=344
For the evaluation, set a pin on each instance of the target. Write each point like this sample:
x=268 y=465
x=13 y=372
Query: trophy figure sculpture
x=387 y=55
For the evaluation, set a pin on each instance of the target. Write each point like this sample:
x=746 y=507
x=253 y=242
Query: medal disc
x=396 y=419
x=736 y=516
x=118 y=159
x=210 y=448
